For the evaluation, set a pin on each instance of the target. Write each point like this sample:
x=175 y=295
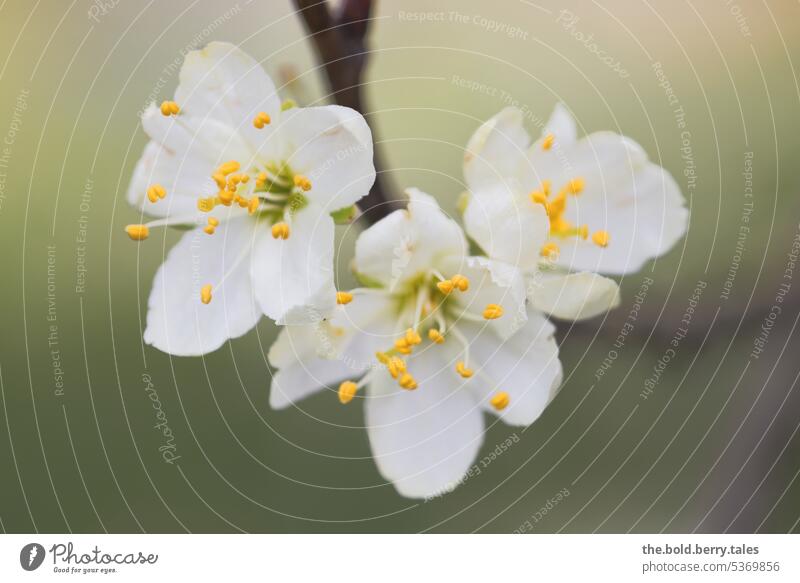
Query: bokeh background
x=712 y=448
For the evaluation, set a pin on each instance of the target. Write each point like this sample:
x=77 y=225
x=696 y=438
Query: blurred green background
x=713 y=448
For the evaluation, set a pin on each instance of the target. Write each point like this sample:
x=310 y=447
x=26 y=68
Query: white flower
x=259 y=182
x=438 y=339
x=562 y=209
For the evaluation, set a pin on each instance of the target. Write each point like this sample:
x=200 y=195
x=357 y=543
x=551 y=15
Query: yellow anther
x=493 y=311
x=219 y=178
x=460 y=282
x=225 y=197
x=280 y=231
x=436 y=336
x=209 y=230
x=539 y=197
x=576 y=185
x=137 y=232
x=243 y=202
x=382 y=357
x=156 y=192
x=234 y=179
x=302 y=182
x=396 y=366
x=407 y=382
x=244 y=178
x=412 y=337
x=347 y=390
x=169 y=108
x=213 y=222
x=549 y=250
x=252 y=205
x=600 y=238
x=445 y=286
x=261 y=120
x=205 y=294
x=583 y=232
x=402 y=346
x=344 y=298
x=547 y=142
x=228 y=167
x=261 y=179
x=500 y=400
x=206 y=204
x=546 y=185
x=462 y=369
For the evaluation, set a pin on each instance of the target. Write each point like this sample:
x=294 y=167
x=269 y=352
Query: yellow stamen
x=206 y=204
x=547 y=143
x=213 y=222
x=252 y=205
x=445 y=286
x=219 y=178
x=382 y=357
x=228 y=167
x=209 y=230
x=407 y=382
x=600 y=238
x=412 y=337
x=137 y=232
x=302 y=182
x=280 y=231
x=396 y=366
x=169 y=108
x=261 y=120
x=461 y=282
x=436 y=336
x=347 y=390
x=493 y=311
x=549 y=250
x=576 y=185
x=546 y=184
x=463 y=370
x=156 y=192
x=500 y=400
x=205 y=294
x=539 y=197
x=225 y=197
x=344 y=298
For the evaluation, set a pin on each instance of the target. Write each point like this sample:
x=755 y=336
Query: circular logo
x=31 y=556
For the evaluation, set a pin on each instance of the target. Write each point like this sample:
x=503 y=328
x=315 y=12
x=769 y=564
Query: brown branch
x=339 y=41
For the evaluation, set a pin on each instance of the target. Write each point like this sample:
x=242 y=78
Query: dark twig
x=339 y=41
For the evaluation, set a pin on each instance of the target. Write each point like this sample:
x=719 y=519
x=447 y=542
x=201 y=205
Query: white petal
x=573 y=296
x=302 y=370
x=177 y=321
x=221 y=82
x=332 y=146
x=507 y=227
x=493 y=282
x=562 y=125
x=425 y=440
x=408 y=242
x=496 y=152
x=293 y=278
x=526 y=366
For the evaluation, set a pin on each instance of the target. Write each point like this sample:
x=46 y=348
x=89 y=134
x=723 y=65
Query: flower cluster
x=449 y=322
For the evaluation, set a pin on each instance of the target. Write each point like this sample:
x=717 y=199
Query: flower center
x=555 y=207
